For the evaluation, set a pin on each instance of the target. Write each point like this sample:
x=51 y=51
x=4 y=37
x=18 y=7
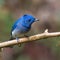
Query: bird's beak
x=36 y=20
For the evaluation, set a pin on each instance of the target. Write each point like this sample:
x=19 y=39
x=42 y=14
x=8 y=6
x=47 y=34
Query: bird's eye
x=29 y=20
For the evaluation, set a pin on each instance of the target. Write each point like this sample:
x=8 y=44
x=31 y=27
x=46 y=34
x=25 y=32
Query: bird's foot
x=18 y=42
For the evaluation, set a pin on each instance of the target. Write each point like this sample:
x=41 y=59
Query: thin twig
x=31 y=38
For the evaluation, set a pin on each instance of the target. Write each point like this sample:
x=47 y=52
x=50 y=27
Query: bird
x=22 y=26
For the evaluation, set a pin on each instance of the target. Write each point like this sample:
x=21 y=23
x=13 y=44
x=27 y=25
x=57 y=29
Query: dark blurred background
x=48 y=12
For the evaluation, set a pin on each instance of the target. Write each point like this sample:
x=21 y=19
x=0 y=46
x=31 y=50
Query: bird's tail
x=11 y=38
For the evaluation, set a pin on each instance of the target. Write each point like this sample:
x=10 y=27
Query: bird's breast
x=19 y=31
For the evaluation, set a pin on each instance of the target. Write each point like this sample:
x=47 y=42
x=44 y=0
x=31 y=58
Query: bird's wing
x=15 y=24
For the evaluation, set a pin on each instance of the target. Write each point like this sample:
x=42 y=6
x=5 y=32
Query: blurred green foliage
x=1 y=2
x=6 y=22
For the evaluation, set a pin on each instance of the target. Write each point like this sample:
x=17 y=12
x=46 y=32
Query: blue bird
x=22 y=26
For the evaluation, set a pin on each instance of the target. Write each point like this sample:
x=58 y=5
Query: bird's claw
x=18 y=42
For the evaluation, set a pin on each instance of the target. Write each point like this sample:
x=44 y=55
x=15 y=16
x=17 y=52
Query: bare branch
x=31 y=38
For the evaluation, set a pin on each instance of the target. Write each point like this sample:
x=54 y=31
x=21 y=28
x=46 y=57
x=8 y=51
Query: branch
x=31 y=38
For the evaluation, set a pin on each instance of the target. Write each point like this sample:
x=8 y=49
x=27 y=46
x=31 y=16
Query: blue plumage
x=22 y=25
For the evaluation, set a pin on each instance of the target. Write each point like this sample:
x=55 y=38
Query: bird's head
x=28 y=20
